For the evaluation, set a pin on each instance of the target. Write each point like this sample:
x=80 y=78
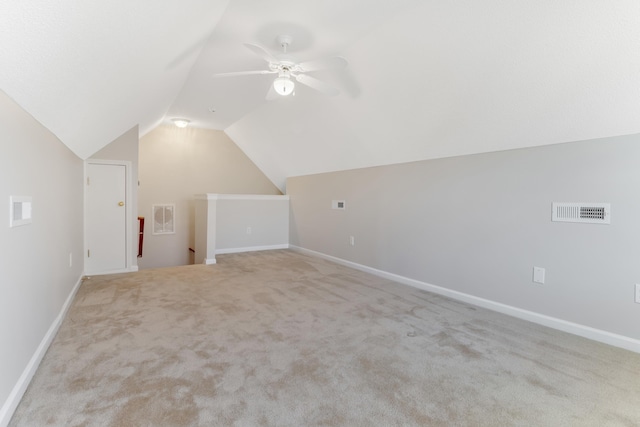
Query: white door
x=106 y=218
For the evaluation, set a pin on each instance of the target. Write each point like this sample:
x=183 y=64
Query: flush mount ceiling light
x=181 y=123
x=284 y=85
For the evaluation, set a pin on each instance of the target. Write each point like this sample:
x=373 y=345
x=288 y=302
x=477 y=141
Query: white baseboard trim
x=209 y=261
x=252 y=249
x=541 y=319
x=10 y=405
x=131 y=269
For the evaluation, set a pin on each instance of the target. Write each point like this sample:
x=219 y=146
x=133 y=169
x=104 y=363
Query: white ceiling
x=426 y=79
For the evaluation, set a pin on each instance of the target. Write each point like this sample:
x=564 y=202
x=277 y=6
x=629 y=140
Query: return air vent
x=338 y=204
x=163 y=219
x=593 y=213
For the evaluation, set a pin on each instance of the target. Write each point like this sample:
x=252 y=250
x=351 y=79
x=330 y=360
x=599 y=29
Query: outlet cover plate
x=538 y=275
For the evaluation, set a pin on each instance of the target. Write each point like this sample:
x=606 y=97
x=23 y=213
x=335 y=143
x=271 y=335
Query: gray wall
x=174 y=165
x=478 y=224
x=125 y=147
x=268 y=219
x=229 y=223
x=35 y=276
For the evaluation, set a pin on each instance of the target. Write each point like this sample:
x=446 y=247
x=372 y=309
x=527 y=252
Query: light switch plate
x=538 y=274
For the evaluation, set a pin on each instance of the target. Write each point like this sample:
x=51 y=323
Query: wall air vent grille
x=338 y=204
x=163 y=219
x=592 y=213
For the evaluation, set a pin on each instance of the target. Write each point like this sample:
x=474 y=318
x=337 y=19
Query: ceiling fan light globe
x=283 y=86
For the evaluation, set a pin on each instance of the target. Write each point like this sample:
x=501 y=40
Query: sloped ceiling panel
x=426 y=78
x=450 y=78
x=318 y=29
x=89 y=71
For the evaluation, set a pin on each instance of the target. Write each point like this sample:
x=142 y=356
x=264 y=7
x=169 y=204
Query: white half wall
x=177 y=163
x=230 y=223
x=478 y=224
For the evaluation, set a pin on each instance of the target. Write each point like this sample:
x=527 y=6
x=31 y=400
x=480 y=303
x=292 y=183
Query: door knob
x=121 y=204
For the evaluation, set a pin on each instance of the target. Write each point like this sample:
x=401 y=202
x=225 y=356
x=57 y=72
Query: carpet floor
x=279 y=338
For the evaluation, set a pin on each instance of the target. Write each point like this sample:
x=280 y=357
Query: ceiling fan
x=288 y=70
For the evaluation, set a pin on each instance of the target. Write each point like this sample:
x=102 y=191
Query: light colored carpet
x=283 y=339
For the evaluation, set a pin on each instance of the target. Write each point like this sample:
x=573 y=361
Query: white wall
x=175 y=164
x=36 y=278
x=478 y=224
x=125 y=147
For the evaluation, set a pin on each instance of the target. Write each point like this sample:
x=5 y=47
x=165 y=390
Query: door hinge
x=88 y=253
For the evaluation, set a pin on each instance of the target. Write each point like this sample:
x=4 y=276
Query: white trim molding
x=210 y=261
x=251 y=249
x=211 y=196
x=10 y=405
x=610 y=338
x=131 y=269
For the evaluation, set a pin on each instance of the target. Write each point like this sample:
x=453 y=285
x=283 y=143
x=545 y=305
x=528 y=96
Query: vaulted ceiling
x=425 y=79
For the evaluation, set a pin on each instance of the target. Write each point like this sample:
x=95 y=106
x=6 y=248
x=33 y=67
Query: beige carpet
x=283 y=339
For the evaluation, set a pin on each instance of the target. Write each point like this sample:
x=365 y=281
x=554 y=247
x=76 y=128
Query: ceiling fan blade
x=333 y=63
x=316 y=84
x=261 y=52
x=243 y=73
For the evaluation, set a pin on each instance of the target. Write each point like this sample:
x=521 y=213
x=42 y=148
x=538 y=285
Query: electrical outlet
x=638 y=293
x=352 y=240
x=538 y=274
x=248 y=230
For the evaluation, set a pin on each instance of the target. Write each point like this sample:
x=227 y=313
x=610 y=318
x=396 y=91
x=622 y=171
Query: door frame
x=129 y=266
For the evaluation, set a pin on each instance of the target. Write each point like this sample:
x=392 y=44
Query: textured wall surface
x=36 y=275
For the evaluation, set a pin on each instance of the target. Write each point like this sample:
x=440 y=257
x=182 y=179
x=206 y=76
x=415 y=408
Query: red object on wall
x=140 y=235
